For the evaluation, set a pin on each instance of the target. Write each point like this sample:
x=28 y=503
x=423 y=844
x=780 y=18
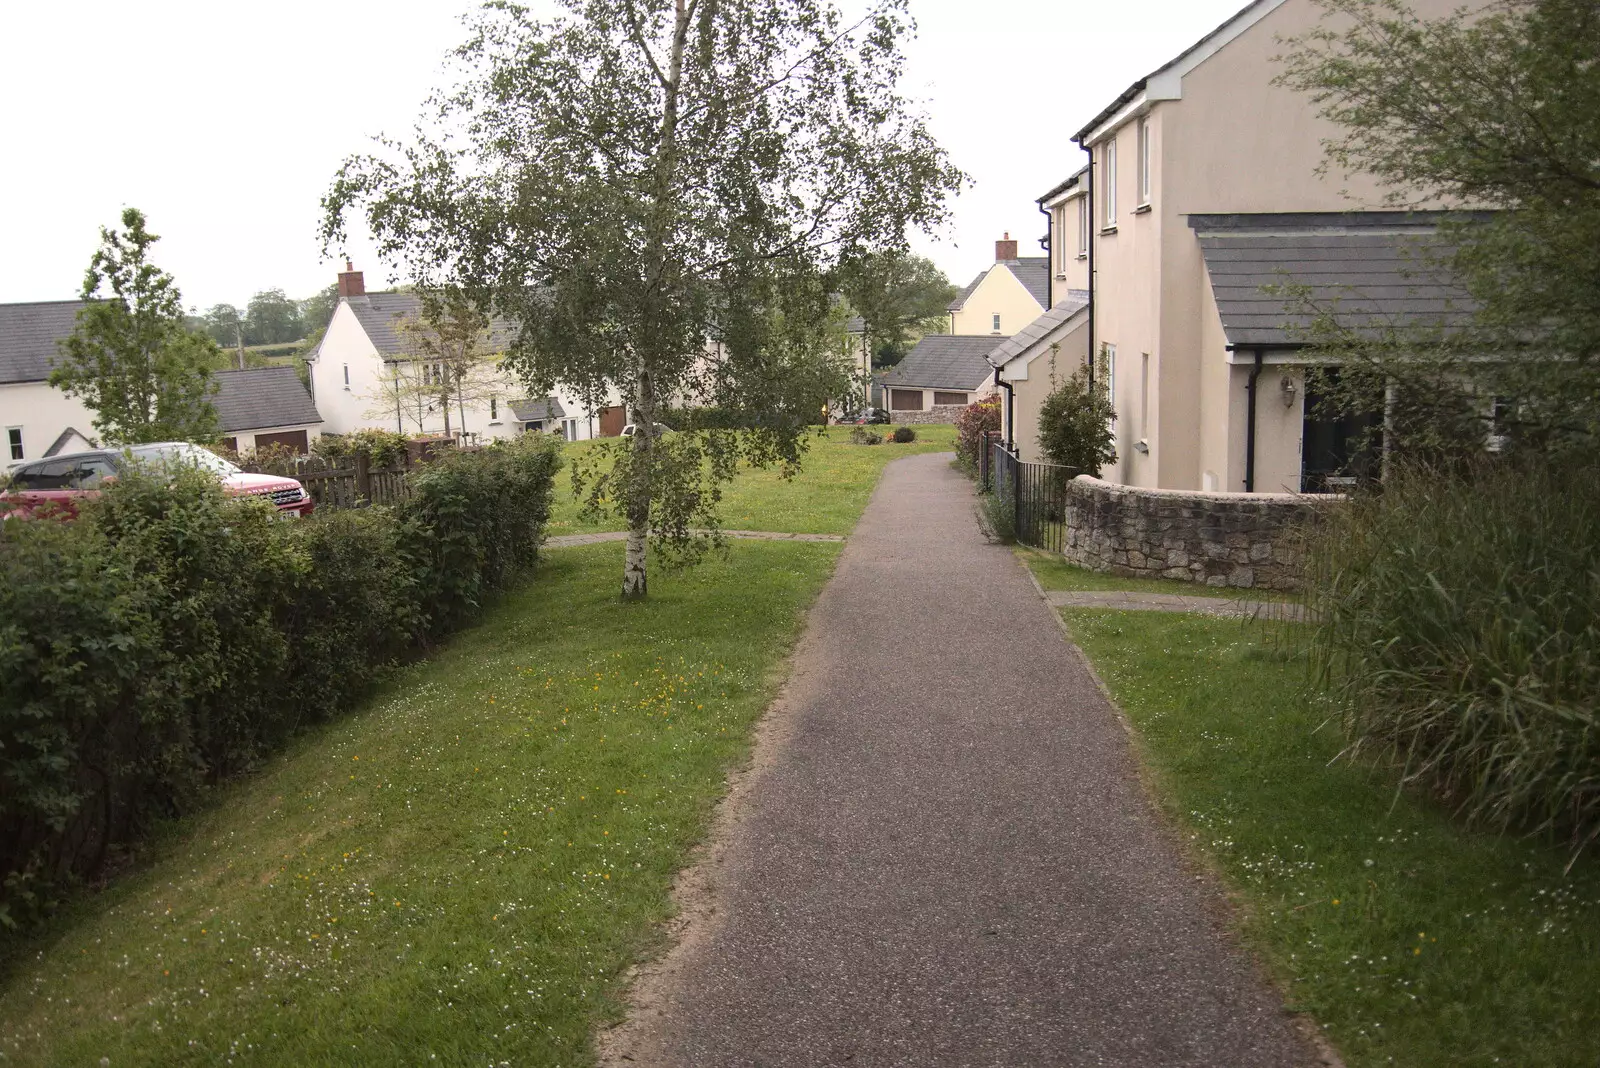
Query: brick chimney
x=352 y=284
x=1005 y=248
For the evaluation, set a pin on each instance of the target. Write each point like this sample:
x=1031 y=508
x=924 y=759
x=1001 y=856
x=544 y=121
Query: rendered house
x=254 y=408
x=1200 y=166
x=1004 y=297
x=365 y=352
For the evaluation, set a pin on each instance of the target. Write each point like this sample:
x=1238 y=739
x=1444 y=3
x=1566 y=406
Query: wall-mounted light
x=1287 y=387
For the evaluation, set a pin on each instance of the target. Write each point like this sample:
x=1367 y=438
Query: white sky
x=225 y=122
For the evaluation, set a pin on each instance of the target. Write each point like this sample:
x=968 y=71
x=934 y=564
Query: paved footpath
x=943 y=856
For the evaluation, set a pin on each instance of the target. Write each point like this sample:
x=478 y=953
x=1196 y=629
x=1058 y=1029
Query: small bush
x=1460 y=632
x=904 y=434
x=173 y=636
x=384 y=448
x=1075 y=425
x=862 y=436
x=972 y=424
x=998 y=516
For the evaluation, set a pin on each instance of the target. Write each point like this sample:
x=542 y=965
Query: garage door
x=905 y=400
x=293 y=439
x=612 y=420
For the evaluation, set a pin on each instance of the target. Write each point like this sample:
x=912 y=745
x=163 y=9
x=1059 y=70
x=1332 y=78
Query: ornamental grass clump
x=1459 y=629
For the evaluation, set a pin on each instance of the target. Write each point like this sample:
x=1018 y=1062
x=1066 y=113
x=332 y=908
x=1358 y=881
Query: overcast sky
x=225 y=122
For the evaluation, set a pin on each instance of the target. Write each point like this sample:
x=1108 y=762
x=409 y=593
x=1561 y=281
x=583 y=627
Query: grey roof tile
x=262 y=397
x=1018 y=343
x=1372 y=270
x=30 y=335
x=539 y=409
x=961 y=297
x=381 y=316
x=945 y=361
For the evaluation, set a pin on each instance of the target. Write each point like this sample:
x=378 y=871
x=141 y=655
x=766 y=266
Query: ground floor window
x=1338 y=450
x=905 y=400
x=533 y=424
x=14 y=442
x=941 y=397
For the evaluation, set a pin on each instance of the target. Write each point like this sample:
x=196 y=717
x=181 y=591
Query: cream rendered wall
x=998 y=292
x=1232 y=143
x=43 y=412
x=1032 y=380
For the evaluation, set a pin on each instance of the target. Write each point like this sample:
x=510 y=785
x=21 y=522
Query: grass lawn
x=764 y=500
x=1411 y=940
x=460 y=872
x=1055 y=573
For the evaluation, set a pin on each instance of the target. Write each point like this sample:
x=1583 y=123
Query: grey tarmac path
x=942 y=855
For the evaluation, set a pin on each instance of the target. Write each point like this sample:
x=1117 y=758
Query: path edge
x=1232 y=907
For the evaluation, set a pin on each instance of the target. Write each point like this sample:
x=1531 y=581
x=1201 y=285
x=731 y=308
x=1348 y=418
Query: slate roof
x=541 y=409
x=380 y=315
x=262 y=397
x=1371 y=269
x=1066 y=185
x=945 y=361
x=29 y=335
x=1024 y=339
x=1032 y=271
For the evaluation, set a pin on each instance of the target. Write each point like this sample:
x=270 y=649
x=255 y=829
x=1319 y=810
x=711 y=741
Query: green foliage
x=627 y=186
x=383 y=448
x=1460 y=631
x=976 y=419
x=224 y=325
x=1496 y=108
x=271 y=318
x=904 y=435
x=997 y=513
x=131 y=358
x=172 y=636
x=899 y=297
x=1075 y=425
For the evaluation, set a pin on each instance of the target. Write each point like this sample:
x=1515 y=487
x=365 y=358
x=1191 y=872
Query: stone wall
x=1217 y=539
x=939 y=413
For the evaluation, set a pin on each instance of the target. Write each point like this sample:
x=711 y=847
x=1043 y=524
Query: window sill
x=1083 y=255
x=1107 y=231
x=1142 y=209
x=494 y=422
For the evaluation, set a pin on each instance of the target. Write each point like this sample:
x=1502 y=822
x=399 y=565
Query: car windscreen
x=190 y=455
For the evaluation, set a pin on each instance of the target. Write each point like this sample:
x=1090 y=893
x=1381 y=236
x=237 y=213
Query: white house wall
x=43 y=412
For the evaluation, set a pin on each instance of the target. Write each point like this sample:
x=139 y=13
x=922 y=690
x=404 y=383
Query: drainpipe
x=1011 y=411
x=1049 y=254
x=1250 y=428
x=1092 y=242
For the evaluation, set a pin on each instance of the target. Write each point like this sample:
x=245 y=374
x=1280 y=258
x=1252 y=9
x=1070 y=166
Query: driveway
x=943 y=855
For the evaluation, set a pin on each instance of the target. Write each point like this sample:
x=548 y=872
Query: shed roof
x=945 y=361
x=539 y=409
x=262 y=397
x=1372 y=270
x=1032 y=271
x=30 y=335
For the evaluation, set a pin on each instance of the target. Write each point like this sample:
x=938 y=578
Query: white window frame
x=997 y=322
x=15 y=447
x=494 y=411
x=1108 y=181
x=1144 y=162
x=1083 y=227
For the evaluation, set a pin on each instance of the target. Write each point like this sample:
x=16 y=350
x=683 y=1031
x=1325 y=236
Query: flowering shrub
x=975 y=419
x=172 y=636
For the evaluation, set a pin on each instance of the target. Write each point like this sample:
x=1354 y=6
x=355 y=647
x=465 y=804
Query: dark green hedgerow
x=172 y=636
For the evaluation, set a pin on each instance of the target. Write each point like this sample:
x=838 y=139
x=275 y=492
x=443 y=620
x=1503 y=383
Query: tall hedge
x=172 y=636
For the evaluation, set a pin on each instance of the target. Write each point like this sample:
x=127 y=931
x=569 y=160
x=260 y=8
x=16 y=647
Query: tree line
x=270 y=318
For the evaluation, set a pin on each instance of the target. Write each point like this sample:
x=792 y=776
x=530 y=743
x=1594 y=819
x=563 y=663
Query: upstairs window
x=494 y=409
x=1108 y=182
x=997 y=322
x=1083 y=227
x=1144 y=161
x=346 y=376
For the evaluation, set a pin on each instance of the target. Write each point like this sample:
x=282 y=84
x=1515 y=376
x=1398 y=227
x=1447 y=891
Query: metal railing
x=1036 y=495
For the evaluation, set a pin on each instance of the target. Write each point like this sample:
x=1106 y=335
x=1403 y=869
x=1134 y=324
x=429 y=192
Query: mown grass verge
x=460 y=872
x=827 y=497
x=1410 y=939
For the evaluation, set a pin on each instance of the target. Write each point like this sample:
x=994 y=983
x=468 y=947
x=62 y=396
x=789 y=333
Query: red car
x=54 y=485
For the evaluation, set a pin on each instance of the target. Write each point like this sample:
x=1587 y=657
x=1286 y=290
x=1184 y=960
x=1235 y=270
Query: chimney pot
x=1005 y=248
x=351 y=282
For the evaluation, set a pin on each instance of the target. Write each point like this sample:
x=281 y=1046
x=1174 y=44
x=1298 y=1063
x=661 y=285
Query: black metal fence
x=1034 y=494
